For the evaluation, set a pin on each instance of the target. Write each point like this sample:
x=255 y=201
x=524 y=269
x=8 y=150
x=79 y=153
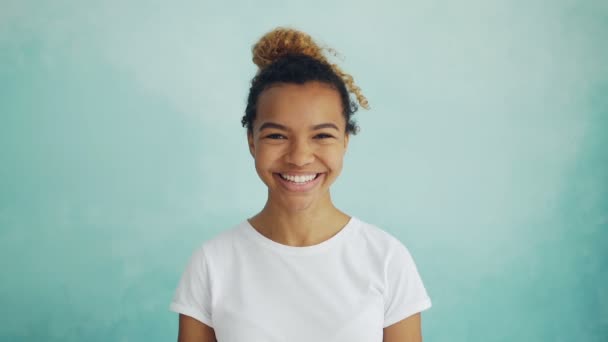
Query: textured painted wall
x=484 y=152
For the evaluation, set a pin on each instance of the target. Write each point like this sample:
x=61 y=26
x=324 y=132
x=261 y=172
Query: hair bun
x=282 y=41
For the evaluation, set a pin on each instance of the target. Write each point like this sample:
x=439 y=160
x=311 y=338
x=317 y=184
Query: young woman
x=301 y=269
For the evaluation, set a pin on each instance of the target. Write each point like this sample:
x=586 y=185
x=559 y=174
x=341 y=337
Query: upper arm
x=406 y=330
x=192 y=330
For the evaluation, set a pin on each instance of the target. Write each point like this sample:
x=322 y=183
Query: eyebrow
x=275 y=125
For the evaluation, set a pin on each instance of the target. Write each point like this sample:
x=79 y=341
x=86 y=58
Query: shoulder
x=389 y=253
x=226 y=237
x=220 y=245
x=379 y=238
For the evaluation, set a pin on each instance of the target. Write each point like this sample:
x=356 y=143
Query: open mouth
x=299 y=179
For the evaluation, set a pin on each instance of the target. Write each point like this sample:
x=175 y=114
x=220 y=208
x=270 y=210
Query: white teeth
x=298 y=179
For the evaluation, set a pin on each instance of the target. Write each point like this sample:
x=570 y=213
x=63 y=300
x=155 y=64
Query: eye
x=275 y=136
x=323 y=136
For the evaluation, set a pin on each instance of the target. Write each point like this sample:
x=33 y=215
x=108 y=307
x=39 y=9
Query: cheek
x=334 y=159
x=260 y=163
x=264 y=158
x=261 y=169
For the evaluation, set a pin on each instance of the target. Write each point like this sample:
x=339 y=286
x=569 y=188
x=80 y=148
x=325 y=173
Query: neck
x=305 y=227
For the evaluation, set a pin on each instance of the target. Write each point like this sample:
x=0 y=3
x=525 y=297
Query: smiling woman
x=300 y=269
x=298 y=143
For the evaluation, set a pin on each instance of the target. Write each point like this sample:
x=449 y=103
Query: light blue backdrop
x=121 y=150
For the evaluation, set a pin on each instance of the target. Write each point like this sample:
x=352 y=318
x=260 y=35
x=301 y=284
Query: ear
x=251 y=144
x=346 y=138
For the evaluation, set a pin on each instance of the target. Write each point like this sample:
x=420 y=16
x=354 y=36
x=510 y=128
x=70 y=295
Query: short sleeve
x=405 y=293
x=192 y=297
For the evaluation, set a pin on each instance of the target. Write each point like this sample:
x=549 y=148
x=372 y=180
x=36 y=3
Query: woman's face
x=298 y=143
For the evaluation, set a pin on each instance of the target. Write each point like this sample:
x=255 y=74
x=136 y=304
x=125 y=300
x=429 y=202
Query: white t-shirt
x=347 y=288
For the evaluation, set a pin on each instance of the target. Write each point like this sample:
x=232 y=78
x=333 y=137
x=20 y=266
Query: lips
x=299 y=182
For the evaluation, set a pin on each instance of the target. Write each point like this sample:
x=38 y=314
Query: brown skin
x=306 y=135
x=192 y=330
x=406 y=330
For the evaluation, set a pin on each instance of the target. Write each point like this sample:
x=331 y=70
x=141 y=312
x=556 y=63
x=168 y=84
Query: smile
x=299 y=179
x=301 y=183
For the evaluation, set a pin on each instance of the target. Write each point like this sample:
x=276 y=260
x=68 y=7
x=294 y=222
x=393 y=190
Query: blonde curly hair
x=282 y=41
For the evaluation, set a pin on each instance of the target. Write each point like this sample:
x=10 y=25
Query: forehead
x=300 y=104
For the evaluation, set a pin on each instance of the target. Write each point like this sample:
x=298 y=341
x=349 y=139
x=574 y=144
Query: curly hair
x=286 y=55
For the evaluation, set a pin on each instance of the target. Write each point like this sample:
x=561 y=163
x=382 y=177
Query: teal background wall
x=121 y=150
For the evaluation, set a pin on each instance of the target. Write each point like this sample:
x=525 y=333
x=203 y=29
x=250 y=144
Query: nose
x=300 y=153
